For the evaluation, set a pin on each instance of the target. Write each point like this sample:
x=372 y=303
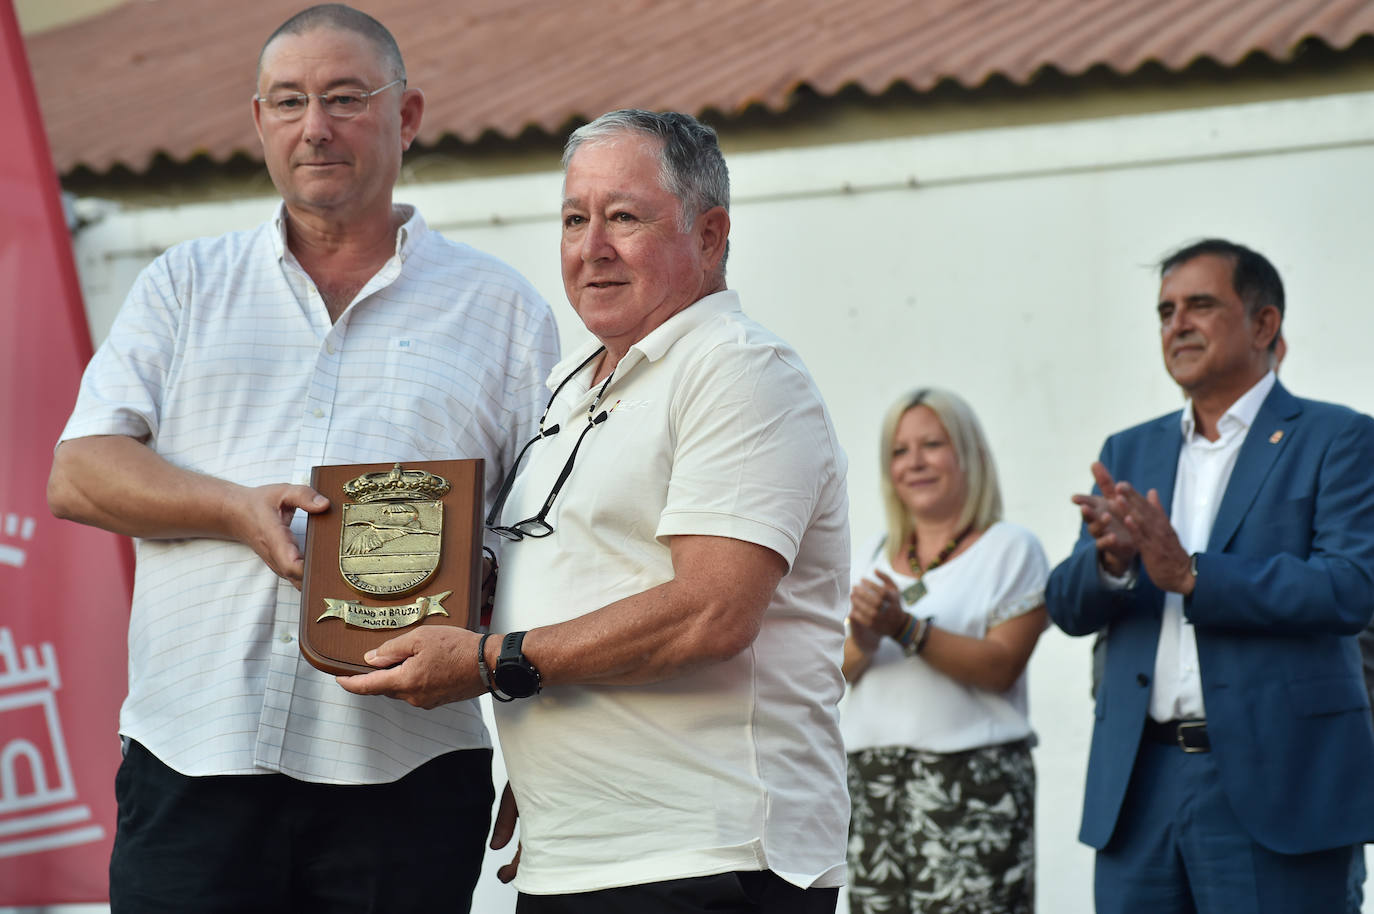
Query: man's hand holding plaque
x=427 y=667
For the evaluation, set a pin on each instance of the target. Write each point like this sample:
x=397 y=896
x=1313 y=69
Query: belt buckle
x=1190 y=725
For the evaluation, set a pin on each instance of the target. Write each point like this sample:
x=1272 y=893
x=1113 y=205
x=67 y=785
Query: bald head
x=347 y=19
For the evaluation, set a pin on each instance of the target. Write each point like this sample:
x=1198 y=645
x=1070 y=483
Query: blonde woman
x=944 y=613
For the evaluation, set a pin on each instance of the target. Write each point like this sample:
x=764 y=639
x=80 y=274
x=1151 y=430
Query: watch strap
x=485 y=671
x=512 y=658
x=510 y=648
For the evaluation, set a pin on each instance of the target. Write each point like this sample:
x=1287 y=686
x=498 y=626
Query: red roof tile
x=175 y=76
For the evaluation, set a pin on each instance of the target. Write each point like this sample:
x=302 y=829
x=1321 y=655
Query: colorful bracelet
x=919 y=633
x=906 y=632
x=924 y=636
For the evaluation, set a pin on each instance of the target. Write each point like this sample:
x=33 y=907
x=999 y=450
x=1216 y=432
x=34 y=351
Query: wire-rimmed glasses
x=341 y=104
x=537 y=525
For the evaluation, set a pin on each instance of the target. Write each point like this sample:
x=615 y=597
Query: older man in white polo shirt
x=667 y=691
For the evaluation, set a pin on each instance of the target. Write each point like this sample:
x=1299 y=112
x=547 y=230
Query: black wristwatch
x=514 y=674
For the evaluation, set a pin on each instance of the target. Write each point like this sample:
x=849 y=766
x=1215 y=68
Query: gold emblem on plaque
x=391 y=534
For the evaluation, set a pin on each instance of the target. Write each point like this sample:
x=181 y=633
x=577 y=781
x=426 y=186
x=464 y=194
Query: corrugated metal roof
x=174 y=76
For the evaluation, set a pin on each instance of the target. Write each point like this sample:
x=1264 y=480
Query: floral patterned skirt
x=942 y=833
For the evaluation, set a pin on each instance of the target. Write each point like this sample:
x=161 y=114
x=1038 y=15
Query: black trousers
x=751 y=892
x=274 y=845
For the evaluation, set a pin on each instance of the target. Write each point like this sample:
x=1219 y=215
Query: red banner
x=64 y=587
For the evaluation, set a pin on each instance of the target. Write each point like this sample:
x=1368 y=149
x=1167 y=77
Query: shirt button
x=317 y=413
x=329 y=348
x=286 y=638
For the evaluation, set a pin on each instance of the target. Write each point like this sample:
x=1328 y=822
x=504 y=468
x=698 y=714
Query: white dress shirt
x=225 y=361
x=1204 y=470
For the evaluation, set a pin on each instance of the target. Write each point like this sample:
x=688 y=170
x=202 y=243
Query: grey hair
x=346 y=19
x=691 y=166
x=983 y=497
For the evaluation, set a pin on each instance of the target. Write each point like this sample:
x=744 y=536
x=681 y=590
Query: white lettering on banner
x=15 y=527
x=38 y=803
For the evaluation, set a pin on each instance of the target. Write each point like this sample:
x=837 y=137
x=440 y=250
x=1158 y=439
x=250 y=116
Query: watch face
x=517 y=679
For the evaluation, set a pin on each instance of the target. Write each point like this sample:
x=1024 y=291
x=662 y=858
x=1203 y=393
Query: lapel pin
x=1276 y=437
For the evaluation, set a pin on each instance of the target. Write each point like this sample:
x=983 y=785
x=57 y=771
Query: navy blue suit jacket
x=1286 y=581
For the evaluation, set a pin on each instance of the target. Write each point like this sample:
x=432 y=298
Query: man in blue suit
x=1228 y=552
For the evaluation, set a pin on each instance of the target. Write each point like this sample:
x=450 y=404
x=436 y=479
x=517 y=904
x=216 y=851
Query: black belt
x=1188 y=735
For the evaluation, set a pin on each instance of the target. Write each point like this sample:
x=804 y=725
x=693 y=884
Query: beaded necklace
x=917 y=588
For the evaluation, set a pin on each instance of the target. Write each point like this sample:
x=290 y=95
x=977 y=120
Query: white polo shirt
x=715 y=428
x=224 y=358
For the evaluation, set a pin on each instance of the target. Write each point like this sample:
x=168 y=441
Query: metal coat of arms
x=389 y=544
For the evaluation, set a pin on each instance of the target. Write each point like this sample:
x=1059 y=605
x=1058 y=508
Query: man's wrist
x=1112 y=564
x=1189 y=582
x=515 y=676
x=484 y=669
x=1124 y=580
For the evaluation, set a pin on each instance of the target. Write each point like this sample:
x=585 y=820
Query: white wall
x=1011 y=265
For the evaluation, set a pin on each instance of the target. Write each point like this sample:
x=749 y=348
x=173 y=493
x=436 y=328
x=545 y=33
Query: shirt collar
x=412 y=229
x=659 y=340
x=1240 y=415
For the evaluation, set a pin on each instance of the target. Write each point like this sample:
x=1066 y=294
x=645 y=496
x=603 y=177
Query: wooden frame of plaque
x=399 y=547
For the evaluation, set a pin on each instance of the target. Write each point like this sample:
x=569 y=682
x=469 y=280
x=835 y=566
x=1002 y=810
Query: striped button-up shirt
x=224 y=360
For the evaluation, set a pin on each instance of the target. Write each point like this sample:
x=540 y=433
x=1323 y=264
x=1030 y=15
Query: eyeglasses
x=537 y=526
x=339 y=103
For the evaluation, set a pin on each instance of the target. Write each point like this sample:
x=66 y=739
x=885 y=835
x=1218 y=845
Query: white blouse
x=904 y=701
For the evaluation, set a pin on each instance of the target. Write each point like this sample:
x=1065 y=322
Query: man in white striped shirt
x=340 y=331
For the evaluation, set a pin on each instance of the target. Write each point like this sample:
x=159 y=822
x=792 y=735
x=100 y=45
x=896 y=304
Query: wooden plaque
x=393 y=552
